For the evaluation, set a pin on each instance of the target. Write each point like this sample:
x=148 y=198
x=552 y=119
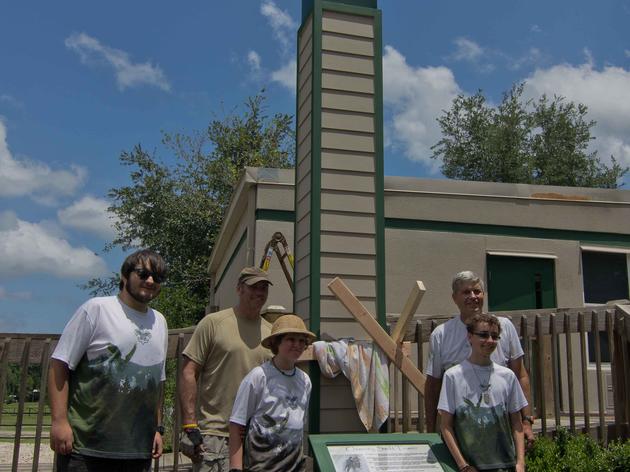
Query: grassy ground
x=29 y=420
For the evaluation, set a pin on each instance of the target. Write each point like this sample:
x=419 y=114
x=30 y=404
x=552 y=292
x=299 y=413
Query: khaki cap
x=287 y=324
x=252 y=275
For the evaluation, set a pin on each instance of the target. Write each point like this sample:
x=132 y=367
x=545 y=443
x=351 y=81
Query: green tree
x=542 y=141
x=176 y=207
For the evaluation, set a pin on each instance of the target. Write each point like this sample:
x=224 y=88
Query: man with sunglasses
x=106 y=374
x=480 y=405
x=449 y=346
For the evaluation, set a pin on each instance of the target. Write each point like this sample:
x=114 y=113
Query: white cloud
x=281 y=23
x=286 y=75
x=416 y=96
x=535 y=29
x=128 y=74
x=467 y=50
x=89 y=214
x=7 y=295
x=605 y=93
x=253 y=59
x=25 y=177
x=532 y=57
x=27 y=248
x=11 y=100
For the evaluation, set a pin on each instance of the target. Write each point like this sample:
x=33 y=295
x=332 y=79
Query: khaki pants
x=216 y=458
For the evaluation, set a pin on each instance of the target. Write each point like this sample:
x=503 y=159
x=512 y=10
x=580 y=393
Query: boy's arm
x=448 y=434
x=519 y=441
x=236 y=446
x=60 y=431
x=517 y=366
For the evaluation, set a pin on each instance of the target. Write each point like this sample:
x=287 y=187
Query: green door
x=520 y=283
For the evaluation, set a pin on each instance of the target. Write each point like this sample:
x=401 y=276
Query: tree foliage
x=177 y=207
x=522 y=141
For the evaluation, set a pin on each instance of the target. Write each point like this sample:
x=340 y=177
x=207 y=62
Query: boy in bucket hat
x=271 y=403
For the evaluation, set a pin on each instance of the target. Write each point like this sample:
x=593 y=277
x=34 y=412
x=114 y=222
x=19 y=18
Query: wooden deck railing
x=555 y=348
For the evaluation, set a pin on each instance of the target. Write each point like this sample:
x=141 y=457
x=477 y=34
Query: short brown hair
x=143 y=256
x=483 y=318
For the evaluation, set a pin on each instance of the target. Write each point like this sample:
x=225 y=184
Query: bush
x=569 y=452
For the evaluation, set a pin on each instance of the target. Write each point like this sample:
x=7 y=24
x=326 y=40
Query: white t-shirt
x=481 y=414
x=273 y=407
x=449 y=346
x=116 y=356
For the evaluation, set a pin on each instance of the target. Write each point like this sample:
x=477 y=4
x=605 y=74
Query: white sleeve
x=447 y=395
x=434 y=361
x=75 y=338
x=515 y=349
x=516 y=399
x=247 y=397
x=163 y=376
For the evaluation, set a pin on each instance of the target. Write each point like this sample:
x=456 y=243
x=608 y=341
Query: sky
x=81 y=82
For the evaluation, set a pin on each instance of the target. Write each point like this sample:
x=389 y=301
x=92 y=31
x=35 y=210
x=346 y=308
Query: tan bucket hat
x=287 y=324
x=252 y=275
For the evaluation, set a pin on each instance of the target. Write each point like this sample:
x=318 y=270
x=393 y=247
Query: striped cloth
x=365 y=365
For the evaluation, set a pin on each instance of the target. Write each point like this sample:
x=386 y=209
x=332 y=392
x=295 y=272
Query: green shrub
x=568 y=452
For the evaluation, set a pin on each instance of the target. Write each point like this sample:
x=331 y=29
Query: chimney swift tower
x=339 y=223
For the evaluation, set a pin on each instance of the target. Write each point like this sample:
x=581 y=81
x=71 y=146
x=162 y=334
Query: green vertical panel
x=316 y=177
x=520 y=283
x=379 y=178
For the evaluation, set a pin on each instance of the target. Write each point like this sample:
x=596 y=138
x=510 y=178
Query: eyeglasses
x=144 y=274
x=486 y=335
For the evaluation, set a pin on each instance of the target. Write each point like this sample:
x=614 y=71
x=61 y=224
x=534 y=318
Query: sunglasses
x=486 y=335
x=144 y=274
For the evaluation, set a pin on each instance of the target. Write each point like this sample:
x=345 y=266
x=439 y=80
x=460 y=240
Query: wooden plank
x=396 y=403
x=617 y=368
x=177 y=424
x=405 y=394
x=609 y=333
x=4 y=368
x=555 y=371
x=406 y=315
x=43 y=384
x=622 y=359
x=21 y=399
x=392 y=350
x=570 y=386
x=600 y=379
x=419 y=345
x=539 y=374
x=584 y=366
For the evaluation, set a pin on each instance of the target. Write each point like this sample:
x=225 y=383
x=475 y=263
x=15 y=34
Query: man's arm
x=519 y=443
x=522 y=375
x=158 y=445
x=188 y=390
x=236 y=446
x=448 y=435
x=60 y=431
x=431 y=396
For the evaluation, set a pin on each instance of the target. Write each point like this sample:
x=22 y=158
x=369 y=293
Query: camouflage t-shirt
x=116 y=358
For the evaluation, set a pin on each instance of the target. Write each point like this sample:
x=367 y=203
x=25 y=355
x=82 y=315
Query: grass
x=29 y=420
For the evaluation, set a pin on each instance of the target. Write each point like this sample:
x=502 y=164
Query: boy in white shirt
x=271 y=403
x=480 y=405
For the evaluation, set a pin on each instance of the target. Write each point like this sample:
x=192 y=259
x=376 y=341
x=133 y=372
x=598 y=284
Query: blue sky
x=80 y=82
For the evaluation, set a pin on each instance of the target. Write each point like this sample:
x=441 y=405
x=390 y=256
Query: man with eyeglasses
x=106 y=374
x=480 y=405
x=223 y=349
x=449 y=346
